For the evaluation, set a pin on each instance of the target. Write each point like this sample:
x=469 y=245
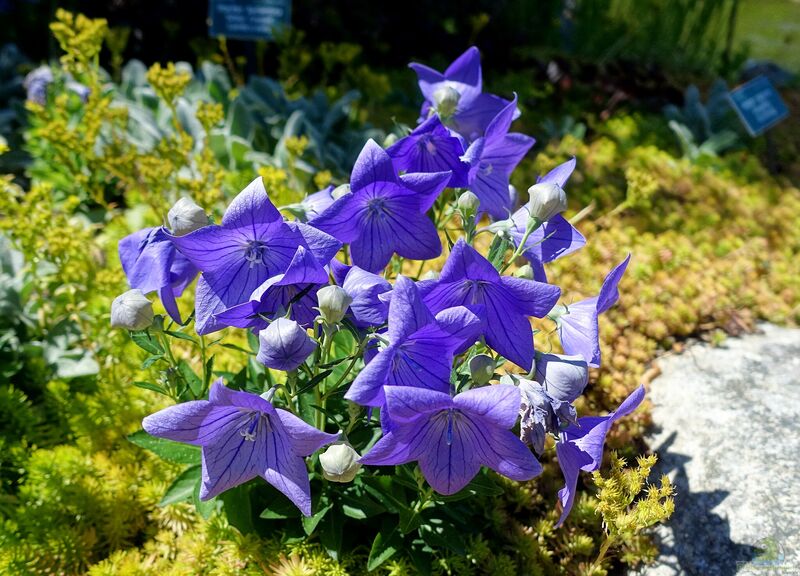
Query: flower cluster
x=429 y=348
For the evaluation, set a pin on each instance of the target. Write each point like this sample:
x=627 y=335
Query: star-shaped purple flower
x=431 y=148
x=492 y=158
x=242 y=436
x=452 y=437
x=366 y=309
x=152 y=264
x=470 y=279
x=457 y=94
x=420 y=350
x=553 y=239
x=384 y=214
x=292 y=291
x=252 y=244
x=577 y=324
x=581 y=447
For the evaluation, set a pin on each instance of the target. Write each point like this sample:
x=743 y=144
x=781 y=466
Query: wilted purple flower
x=581 y=447
x=452 y=437
x=492 y=159
x=547 y=401
x=242 y=436
x=284 y=345
x=431 y=148
x=252 y=244
x=292 y=291
x=152 y=264
x=577 y=323
x=457 y=95
x=383 y=213
x=366 y=309
x=468 y=279
x=420 y=350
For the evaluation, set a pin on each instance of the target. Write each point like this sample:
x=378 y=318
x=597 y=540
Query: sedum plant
x=379 y=383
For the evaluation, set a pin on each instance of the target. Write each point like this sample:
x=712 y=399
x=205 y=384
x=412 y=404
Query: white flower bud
x=339 y=463
x=481 y=368
x=445 y=100
x=390 y=139
x=468 y=203
x=430 y=275
x=332 y=303
x=340 y=191
x=186 y=216
x=525 y=271
x=546 y=200
x=131 y=311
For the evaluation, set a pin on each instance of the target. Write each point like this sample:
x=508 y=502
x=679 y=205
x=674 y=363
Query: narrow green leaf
x=384 y=546
x=180 y=336
x=144 y=340
x=236 y=503
x=237 y=348
x=330 y=536
x=149 y=386
x=310 y=522
x=205 y=509
x=152 y=360
x=166 y=449
x=314 y=381
x=182 y=487
x=192 y=379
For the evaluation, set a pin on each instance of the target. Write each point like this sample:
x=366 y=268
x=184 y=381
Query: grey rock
x=727 y=432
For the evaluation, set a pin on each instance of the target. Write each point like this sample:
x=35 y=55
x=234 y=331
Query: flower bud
x=445 y=100
x=186 y=216
x=525 y=271
x=131 y=311
x=332 y=303
x=339 y=463
x=481 y=368
x=284 y=345
x=546 y=200
x=340 y=191
x=430 y=275
x=513 y=195
x=468 y=204
x=390 y=139
x=563 y=377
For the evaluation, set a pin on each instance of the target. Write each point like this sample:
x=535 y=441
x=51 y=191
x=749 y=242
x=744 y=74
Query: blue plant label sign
x=248 y=19
x=758 y=105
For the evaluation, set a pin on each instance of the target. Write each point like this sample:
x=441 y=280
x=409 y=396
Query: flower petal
x=198 y=422
x=530 y=297
x=426 y=186
x=305 y=439
x=373 y=165
x=560 y=174
x=609 y=294
x=449 y=460
x=465 y=262
x=498 y=404
x=250 y=208
x=407 y=311
x=405 y=404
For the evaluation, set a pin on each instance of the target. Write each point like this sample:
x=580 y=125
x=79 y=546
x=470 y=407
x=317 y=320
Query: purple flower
x=366 y=309
x=431 y=148
x=315 y=204
x=420 y=350
x=581 y=447
x=284 y=345
x=469 y=279
x=383 y=213
x=242 y=436
x=457 y=95
x=577 y=324
x=252 y=244
x=452 y=438
x=292 y=291
x=492 y=158
x=152 y=264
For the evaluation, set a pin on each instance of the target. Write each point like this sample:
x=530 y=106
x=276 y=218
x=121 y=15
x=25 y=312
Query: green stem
x=602 y=554
x=532 y=226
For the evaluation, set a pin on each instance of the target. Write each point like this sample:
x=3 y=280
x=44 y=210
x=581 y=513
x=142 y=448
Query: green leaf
x=182 y=488
x=203 y=508
x=180 y=336
x=410 y=519
x=497 y=251
x=152 y=360
x=166 y=449
x=209 y=371
x=144 y=340
x=385 y=545
x=192 y=379
x=236 y=503
x=314 y=381
x=330 y=536
x=310 y=522
x=149 y=386
x=237 y=348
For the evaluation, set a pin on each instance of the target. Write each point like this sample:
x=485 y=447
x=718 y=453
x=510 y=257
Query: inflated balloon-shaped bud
x=481 y=368
x=563 y=377
x=546 y=200
x=339 y=463
x=525 y=271
x=340 y=191
x=131 y=311
x=468 y=204
x=430 y=275
x=186 y=216
x=445 y=100
x=284 y=345
x=332 y=303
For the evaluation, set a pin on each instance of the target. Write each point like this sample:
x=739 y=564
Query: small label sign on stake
x=758 y=105
x=248 y=19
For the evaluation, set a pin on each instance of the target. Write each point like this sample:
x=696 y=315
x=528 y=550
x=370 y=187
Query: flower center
x=252 y=425
x=427 y=143
x=377 y=207
x=255 y=251
x=474 y=290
